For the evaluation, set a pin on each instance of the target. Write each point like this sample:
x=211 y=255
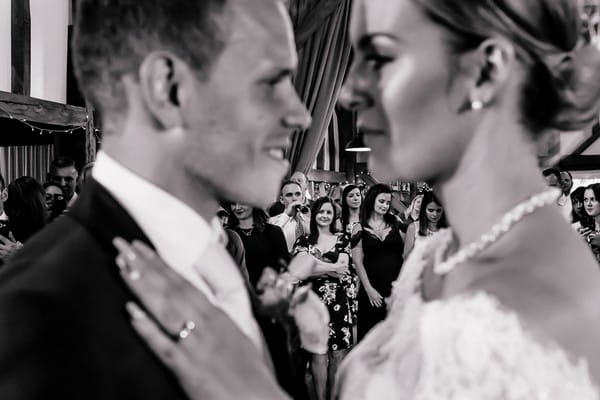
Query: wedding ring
x=134 y=274
x=188 y=327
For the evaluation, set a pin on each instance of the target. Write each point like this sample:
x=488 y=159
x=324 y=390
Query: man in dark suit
x=197 y=105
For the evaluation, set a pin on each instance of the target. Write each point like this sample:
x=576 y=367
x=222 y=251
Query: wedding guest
x=301 y=179
x=591 y=227
x=26 y=208
x=64 y=173
x=578 y=215
x=351 y=208
x=331 y=250
x=554 y=179
x=431 y=219
x=264 y=243
x=55 y=200
x=265 y=247
x=412 y=212
x=294 y=220
x=566 y=179
x=377 y=256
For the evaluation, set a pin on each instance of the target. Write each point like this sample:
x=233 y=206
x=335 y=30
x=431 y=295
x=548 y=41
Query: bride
x=506 y=304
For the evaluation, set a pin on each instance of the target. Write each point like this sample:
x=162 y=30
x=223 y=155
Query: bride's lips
x=368 y=131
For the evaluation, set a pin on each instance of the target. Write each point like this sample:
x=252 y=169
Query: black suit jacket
x=64 y=330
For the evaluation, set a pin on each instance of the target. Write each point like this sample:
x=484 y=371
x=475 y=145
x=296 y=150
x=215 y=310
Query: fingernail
x=134 y=310
x=120 y=261
x=117 y=241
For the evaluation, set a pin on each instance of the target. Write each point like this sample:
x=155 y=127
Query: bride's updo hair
x=562 y=87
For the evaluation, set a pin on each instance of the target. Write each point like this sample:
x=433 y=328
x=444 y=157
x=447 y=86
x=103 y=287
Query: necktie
x=299 y=227
x=218 y=270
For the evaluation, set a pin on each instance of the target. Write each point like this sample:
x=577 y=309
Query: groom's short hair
x=112 y=38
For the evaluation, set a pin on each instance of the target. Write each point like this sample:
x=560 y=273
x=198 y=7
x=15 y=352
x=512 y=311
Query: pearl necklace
x=508 y=221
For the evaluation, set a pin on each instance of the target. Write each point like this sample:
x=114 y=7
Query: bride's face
x=407 y=91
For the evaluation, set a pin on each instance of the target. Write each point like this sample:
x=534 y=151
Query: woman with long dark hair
x=351 y=204
x=377 y=257
x=26 y=208
x=331 y=252
x=578 y=215
x=431 y=220
x=590 y=228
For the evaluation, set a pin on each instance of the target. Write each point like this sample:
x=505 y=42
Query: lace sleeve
x=473 y=348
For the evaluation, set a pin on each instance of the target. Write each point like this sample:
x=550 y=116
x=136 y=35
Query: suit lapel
x=98 y=210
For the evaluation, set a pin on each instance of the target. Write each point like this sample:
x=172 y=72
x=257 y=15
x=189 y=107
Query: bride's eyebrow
x=366 y=42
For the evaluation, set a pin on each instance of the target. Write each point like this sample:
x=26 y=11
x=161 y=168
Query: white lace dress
x=465 y=348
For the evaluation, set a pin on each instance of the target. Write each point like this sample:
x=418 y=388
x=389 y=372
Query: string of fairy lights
x=44 y=130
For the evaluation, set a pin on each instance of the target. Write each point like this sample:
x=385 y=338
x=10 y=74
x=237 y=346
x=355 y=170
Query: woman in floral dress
x=331 y=250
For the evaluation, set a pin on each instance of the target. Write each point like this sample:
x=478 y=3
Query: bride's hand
x=210 y=356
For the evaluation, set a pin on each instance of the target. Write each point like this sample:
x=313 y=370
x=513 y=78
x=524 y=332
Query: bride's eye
x=376 y=61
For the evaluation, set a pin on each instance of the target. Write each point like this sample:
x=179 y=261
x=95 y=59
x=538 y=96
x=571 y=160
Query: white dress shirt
x=181 y=237
x=289 y=226
x=72 y=201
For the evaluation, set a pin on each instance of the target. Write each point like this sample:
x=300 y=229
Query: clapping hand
x=277 y=295
x=339 y=269
x=8 y=246
x=201 y=345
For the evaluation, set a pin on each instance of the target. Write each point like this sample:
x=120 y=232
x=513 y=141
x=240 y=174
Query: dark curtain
x=321 y=29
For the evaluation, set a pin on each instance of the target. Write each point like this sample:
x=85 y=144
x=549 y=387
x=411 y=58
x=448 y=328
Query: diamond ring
x=187 y=329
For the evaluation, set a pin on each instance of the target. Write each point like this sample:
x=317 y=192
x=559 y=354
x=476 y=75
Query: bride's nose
x=354 y=95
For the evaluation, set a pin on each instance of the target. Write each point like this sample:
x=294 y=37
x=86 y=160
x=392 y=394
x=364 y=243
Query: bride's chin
x=381 y=170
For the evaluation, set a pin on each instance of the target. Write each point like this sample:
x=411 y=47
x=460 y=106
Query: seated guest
x=26 y=208
x=63 y=173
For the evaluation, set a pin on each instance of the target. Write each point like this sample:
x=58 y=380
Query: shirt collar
x=179 y=234
x=72 y=201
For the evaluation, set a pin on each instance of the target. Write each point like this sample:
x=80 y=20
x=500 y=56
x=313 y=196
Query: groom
x=197 y=106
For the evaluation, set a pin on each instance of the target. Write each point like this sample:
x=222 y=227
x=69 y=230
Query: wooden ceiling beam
x=580 y=163
x=40 y=111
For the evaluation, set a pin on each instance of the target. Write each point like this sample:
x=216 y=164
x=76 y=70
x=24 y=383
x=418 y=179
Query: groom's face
x=240 y=120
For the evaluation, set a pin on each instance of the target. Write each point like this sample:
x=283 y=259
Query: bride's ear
x=493 y=63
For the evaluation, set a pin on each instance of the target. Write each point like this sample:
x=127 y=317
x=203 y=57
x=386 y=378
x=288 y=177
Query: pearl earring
x=476 y=105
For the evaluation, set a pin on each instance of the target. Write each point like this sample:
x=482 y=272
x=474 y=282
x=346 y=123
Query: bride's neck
x=497 y=171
